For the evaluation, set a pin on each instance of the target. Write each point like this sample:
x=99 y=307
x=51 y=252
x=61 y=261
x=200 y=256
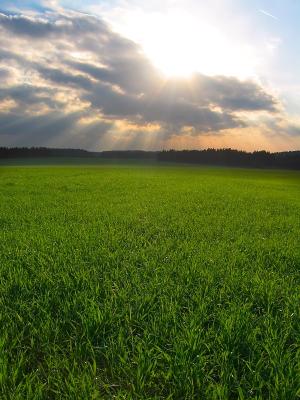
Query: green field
x=149 y=282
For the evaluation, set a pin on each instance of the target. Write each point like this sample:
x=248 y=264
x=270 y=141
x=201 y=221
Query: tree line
x=220 y=157
x=40 y=152
x=234 y=158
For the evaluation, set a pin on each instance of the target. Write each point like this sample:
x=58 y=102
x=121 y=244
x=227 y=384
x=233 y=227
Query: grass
x=149 y=283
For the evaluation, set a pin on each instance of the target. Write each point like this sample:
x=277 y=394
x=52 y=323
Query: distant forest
x=222 y=157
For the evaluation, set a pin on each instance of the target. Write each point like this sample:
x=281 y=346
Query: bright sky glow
x=180 y=44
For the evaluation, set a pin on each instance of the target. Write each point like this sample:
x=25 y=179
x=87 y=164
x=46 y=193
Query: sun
x=180 y=44
x=176 y=48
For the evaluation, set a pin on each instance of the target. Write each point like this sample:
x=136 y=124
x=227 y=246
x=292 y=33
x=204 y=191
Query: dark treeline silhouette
x=130 y=154
x=234 y=158
x=222 y=157
x=34 y=152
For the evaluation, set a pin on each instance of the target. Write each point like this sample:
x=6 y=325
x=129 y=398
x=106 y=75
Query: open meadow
x=137 y=281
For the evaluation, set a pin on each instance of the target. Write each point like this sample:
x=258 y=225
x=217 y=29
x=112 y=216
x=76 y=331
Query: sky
x=130 y=74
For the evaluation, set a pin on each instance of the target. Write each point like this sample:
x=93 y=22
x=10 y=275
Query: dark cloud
x=50 y=25
x=135 y=75
x=48 y=125
x=4 y=74
x=26 y=95
x=66 y=79
x=293 y=129
x=50 y=129
x=22 y=25
x=6 y=55
x=233 y=94
x=74 y=52
x=182 y=114
x=148 y=109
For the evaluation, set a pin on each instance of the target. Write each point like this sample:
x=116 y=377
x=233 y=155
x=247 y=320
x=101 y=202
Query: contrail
x=268 y=14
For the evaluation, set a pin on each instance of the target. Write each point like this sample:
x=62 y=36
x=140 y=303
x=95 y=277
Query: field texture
x=147 y=282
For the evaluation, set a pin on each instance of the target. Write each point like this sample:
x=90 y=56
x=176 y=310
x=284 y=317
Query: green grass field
x=149 y=282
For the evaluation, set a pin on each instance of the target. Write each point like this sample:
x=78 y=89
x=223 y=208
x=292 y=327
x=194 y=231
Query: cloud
x=51 y=124
x=294 y=129
x=50 y=25
x=51 y=129
x=69 y=67
x=4 y=74
x=64 y=78
x=26 y=95
x=233 y=94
